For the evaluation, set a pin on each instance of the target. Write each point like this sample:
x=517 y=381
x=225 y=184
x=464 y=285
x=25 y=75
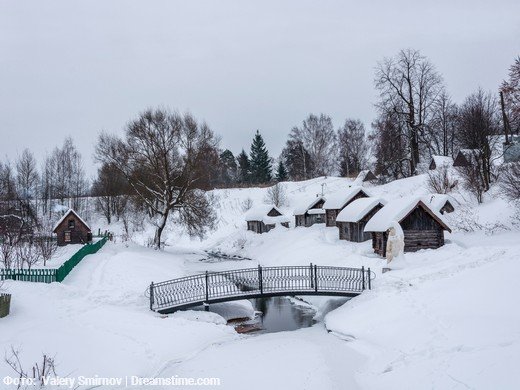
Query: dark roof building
x=72 y=229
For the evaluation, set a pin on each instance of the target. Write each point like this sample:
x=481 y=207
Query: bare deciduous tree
x=353 y=148
x=162 y=156
x=510 y=181
x=408 y=86
x=478 y=123
x=440 y=181
x=276 y=195
x=318 y=138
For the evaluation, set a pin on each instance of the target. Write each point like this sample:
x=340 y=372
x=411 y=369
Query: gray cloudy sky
x=77 y=67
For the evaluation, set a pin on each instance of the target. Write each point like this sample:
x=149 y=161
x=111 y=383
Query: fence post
x=312 y=277
x=363 y=275
x=206 y=304
x=151 y=296
x=369 y=283
x=315 y=278
x=260 y=282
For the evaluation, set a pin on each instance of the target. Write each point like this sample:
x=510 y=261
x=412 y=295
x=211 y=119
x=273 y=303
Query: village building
x=466 y=157
x=72 y=229
x=366 y=176
x=338 y=201
x=264 y=218
x=423 y=227
x=440 y=161
x=441 y=203
x=352 y=219
x=309 y=213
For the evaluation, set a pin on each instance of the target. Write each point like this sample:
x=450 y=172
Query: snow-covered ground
x=447 y=320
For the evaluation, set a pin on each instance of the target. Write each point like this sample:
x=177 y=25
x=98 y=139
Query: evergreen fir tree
x=260 y=163
x=228 y=167
x=281 y=172
x=244 y=169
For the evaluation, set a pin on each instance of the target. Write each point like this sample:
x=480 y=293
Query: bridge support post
x=151 y=296
x=315 y=278
x=260 y=281
x=312 y=277
x=369 y=282
x=363 y=276
x=206 y=304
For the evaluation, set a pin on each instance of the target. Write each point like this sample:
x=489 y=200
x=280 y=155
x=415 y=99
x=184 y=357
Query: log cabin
x=338 y=201
x=352 y=219
x=309 y=213
x=72 y=229
x=423 y=228
x=440 y=161
x=264 y=218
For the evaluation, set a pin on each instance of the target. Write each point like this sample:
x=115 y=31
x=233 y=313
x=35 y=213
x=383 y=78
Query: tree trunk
x=159 y=230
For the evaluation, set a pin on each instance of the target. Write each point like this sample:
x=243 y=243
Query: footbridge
x=213 y=287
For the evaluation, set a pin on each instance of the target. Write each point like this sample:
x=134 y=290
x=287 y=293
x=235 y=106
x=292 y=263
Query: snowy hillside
x=446 y=320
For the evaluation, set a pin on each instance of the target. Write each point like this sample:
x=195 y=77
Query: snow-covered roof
x=304 y=207
x=65 y=216
x=365 y=175
x=437 y=201
x=359 y=209
x=442 y=161
x=315 y=211
x=341 y=198
x=397 y=210
x=259 y=212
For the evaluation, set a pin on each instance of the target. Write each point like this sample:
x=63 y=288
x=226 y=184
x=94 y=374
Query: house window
x=67 y=236
x=71 y=224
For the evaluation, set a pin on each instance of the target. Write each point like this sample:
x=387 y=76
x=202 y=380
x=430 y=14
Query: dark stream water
x=277 y=314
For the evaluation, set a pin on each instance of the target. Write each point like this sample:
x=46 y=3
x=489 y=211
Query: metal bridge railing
x=257 y=282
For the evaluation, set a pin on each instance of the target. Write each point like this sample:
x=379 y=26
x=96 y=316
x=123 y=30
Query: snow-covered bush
x=441 y=181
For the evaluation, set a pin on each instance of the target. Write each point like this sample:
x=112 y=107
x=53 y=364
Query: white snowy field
x=447 y=320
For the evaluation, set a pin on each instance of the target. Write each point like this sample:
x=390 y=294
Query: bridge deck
x=213 y=287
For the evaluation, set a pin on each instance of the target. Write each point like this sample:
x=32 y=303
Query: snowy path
x=305 y=359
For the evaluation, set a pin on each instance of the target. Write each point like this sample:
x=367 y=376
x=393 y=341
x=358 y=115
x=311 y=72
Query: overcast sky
x=75 y=68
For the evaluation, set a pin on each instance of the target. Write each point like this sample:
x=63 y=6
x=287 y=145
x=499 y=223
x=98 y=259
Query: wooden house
x=466 y=157
x=264 y=218
x=441 y=203
x=366 y=175
x=423 y=228
x=71 y=229
x=440 y=161
x=338 y=201
x=352 y=219
x=307 y=214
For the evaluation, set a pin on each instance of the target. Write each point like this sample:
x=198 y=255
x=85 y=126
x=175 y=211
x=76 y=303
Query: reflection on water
x=277 y=314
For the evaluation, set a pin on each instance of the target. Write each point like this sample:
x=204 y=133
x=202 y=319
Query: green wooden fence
x=52 y=275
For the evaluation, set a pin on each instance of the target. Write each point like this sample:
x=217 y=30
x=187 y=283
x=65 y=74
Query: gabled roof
x=468 y=155
x=440 y=161
x=365 y=175
x=304 y=207
x=358 y=209
x=437 y=201
x=341 y=198
x=259 y=213
x=71 y=211
x=397 y=210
